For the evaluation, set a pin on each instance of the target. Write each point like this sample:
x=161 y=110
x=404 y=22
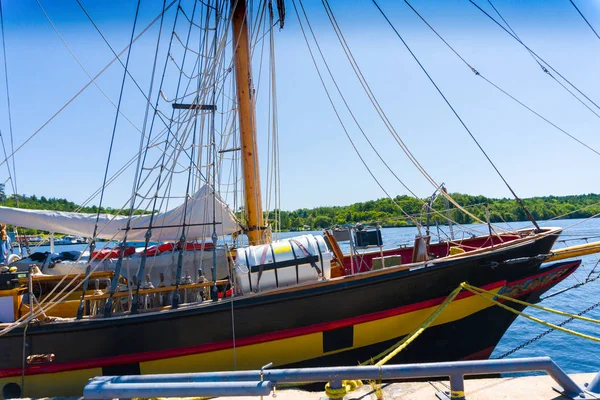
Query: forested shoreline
x=384 y=211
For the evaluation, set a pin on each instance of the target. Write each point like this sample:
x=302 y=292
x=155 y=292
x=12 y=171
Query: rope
x=387 y=355
x=93 y=241
x=585 y=19
x=84 y=87
x=524 y=303
x=335 y=109
x=532 y=318
x=517 y=198
x=13 y=182
x=537 y=57
x=390 y=353
x=477 y=73
x=340 y=393
x=541 y=335
x=383 y=115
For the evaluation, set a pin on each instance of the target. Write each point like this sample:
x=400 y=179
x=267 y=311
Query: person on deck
x=4 y=244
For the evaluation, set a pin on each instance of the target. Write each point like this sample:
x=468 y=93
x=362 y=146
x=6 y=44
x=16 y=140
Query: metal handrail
x=455 y=371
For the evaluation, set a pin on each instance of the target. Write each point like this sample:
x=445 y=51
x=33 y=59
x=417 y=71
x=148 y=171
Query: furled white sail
x=166 y=226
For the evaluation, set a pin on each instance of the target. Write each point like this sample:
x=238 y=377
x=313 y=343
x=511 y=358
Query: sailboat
x=292 y=302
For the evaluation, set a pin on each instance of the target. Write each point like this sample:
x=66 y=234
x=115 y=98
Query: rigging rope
x=143 y=93
x=76 y=95
x=486 y=295
x=13 y=177
x=335 y=109
x=93 y=241
x=585 y=19
x=537 y=57
x=383 y=115
x=517 y=198
x=478 y=73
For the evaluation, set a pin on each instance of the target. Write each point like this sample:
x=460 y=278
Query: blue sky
x=318 y=166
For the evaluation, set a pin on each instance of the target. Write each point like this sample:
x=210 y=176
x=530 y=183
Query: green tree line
x=383 y=211
x=390 y=213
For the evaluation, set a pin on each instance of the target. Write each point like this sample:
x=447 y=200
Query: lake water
x=571 y=353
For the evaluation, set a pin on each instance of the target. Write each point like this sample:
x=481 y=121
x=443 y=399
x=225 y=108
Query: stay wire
x=137 y=176
x=333 y=105
x=13 y=180
x=92 y=243
x=83 y=88
x=347 y=106
x=514 y=36
x=517 y=198
x=143 y=93
x=383 y=115
x=585 y=19
x=534 y=57
x=7 y=165
x=476 y=72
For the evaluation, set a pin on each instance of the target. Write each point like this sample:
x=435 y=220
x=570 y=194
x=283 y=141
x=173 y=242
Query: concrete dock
x=525 y=387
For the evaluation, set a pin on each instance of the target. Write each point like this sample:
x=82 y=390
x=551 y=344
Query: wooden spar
x=574 y=251
x=257 y=233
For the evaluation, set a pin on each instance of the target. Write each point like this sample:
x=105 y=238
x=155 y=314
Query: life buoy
x=13 y=258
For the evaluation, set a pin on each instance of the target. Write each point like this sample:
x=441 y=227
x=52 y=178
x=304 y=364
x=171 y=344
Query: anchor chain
x=541 y=335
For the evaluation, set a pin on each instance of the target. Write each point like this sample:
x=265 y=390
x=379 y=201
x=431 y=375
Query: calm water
x=571 y=353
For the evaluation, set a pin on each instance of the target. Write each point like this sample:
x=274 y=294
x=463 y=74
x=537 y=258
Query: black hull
x=120 y=345
x=471 y=338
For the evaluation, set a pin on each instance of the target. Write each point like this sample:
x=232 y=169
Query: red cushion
x=113 y=253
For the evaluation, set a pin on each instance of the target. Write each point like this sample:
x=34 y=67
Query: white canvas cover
x=199 y=211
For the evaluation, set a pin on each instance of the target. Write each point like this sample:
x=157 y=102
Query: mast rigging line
x=148 y=101
x=543 y=68
x=533 y=53
x=517 y=198
x=76 y=95
x=13 y=181
x=374 y=101
x=93 y=240
x=585 y=19
x=136 y=181
x=477 y=73
x=383 y=115
x=81 y=65
x=8 y=167
x=336 y=111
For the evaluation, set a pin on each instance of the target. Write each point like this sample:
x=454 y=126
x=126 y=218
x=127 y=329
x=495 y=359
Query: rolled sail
x=167 y=226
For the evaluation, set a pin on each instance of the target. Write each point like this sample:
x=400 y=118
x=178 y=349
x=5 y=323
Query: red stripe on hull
x=227 y=344
x=480 y=355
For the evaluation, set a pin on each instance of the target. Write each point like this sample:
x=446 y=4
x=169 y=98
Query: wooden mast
x=257 y=231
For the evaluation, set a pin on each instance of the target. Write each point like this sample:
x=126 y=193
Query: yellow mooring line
x=490 y=296
x=385 y=356
x=390 y=353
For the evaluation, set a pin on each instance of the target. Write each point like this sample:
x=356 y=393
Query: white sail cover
x=166 y=226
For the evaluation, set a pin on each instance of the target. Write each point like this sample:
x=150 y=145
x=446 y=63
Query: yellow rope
x=339 y=393
x=551 y=310
x=548 y=324
x=385 y=356
x=401 y=345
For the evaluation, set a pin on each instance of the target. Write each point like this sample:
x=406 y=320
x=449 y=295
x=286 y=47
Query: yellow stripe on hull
x=253 y=356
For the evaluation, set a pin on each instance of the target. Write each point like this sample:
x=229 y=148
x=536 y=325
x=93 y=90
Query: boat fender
x=307 y=254
x=13 y=258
